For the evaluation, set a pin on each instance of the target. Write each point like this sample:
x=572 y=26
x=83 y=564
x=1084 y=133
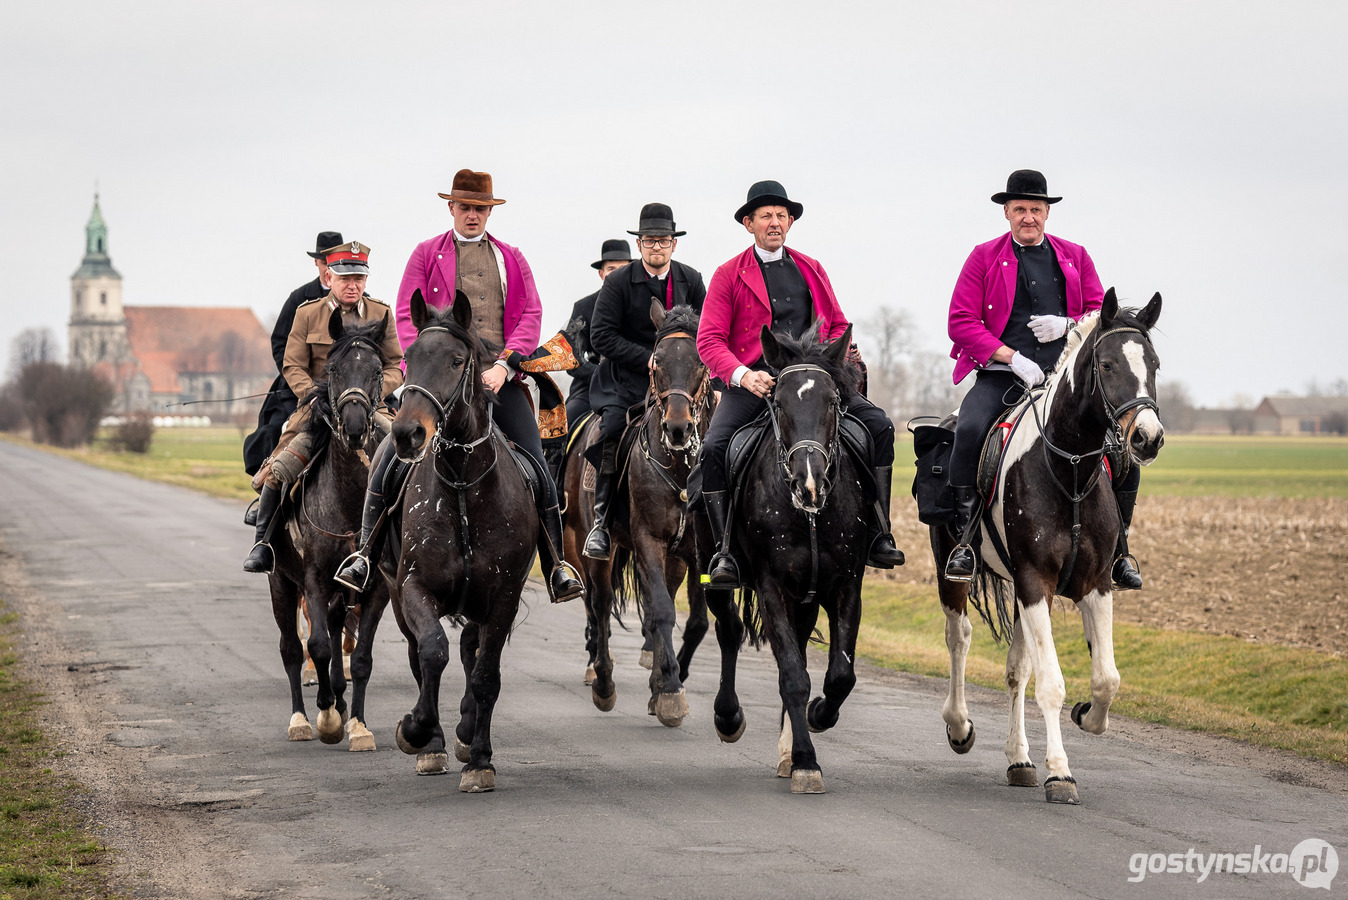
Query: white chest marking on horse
x=1136 y=356
x=804 y=389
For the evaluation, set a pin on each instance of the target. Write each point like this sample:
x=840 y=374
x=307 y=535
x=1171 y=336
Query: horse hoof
x=964 y=746
x=672 y=709
x=329 y=726
x=309 y=677
x=477 y=781
x=650 y=706
x=589 y=674
x=1022 y=774
x=433 y=763
x=730 y=737
x=810 y=710
x=646 y=660
x=461 y=750
x=403 y=744
x=359 y=738
x=300 y=729
x=604 y=704
x=784 y=766
x=1079 y=712
x=1061 y=789
x=807 y=781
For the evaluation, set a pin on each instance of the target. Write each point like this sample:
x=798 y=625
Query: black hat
x=657 y=219
x=768 y=193
x=325 y=240
x=615 y=250
x=1026 y=184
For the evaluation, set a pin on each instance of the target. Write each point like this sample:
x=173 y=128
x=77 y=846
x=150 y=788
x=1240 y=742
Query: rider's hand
x=1049 y=328
x=495 y=377
x=1026 y=369
x=756 y=382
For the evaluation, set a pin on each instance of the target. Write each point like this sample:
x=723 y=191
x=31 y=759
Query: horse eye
x=1106 y=366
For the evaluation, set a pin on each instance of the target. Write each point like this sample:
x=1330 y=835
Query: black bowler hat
x=768 y=193
x=615 y=250
x=325 y=240
x=657 y=220
x=1025 y=184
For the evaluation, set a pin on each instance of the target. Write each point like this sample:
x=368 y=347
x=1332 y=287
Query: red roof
x=168 y=340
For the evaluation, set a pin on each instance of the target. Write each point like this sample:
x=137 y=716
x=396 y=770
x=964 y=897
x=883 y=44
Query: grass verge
x=43 y=850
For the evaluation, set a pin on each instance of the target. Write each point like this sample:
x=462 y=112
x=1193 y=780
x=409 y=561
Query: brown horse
x=465 y=542
x=656 y=541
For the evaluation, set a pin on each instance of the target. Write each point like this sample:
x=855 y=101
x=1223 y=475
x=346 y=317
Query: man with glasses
x=624 y=334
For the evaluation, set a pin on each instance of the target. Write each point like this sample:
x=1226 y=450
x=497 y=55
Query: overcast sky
x=1200 y=149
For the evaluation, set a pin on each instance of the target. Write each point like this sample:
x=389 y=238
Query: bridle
x=463 y=392
x=697 y=402
x=352 y=395
x=1115 y=413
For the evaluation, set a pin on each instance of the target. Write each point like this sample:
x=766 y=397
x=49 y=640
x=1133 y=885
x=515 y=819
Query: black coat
x=582 y=314
x=624 y=335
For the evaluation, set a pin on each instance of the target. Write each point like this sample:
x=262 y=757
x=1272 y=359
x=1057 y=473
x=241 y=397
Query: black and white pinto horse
x=1055 y=516
x=802 y=528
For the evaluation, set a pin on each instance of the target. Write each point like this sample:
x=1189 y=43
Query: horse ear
x=1151 y=312
x=380 y=330
x=1109 y=308
x=772 y=351
x=462 y=310
x=418 y=310
x=838 y=349
x=335 y=324
x=657 y=313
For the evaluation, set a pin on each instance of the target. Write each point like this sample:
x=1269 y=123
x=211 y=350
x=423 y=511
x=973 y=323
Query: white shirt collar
x=1036 y=244
x=468 y=240
x=769 y=256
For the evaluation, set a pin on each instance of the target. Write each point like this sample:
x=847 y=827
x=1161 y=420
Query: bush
x=11 y=409
x=134 y=434
x=62 y=405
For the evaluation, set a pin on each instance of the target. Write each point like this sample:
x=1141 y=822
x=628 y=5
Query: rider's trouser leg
x=884 y=554
x=991 y=394
x=355 y=569
x=612 y=421
x=738 y=407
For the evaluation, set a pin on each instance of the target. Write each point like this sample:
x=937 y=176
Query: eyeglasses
x=652 y=243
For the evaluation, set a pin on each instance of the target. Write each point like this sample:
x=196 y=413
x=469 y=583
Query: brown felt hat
x=473 y=188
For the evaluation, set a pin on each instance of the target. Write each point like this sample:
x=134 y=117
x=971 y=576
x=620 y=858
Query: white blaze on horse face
x=809 y=478
x=1148 y=423
x=804 y=389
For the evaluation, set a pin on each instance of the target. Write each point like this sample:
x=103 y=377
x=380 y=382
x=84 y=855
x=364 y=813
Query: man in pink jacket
x=499 y=285
x=787 y=291
x=1016 y=298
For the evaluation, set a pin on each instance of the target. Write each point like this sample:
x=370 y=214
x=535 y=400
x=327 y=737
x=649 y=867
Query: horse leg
x=302 y=630
x=421 y=726
x=1019 y=770
x=793 y=683
x=1049 y=693
x=316 y=602
x=372 y=606
x=284 y=603
x=729 y=715
x=670 y=699
x=959 y=729
x=695 y=629
x=599 y=608
x=469 y=649
x=479 y=775
x=1097 y=619
x=841 y=677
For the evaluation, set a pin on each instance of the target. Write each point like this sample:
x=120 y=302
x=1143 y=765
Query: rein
x=655 y=403
x=353 y=395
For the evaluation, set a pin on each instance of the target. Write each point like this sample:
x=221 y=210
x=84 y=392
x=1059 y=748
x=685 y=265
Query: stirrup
x=345 y=580
x=570 y=572
x=589 y=538
x=719 y=557
x=267 y=571
x=1137 y=569
x=250 y=514
x=961 y=579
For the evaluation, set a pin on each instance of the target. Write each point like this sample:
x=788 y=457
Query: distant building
x=158 y=355
x=1285 y=414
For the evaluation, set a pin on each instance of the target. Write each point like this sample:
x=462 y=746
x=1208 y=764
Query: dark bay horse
x=801 y=523
x=468 y=534
x=655 y=548
x=1050 y=484
x=320 y=531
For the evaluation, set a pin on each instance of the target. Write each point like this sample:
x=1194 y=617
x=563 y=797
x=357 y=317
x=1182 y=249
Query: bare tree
x=1177 y=406
x=232 y=351
x=33 y=345
x=886 y=340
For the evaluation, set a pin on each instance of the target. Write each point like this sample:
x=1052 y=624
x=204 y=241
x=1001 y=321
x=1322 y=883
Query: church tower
x=97 y=324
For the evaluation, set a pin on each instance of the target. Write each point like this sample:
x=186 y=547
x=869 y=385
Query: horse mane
x=1089 y=325
x=680 y=318
x=487 y=351
x=808 y=349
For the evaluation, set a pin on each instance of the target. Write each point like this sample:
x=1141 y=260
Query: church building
x=155 y=356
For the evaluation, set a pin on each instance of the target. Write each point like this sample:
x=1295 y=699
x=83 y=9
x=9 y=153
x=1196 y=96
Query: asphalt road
x=160 y=655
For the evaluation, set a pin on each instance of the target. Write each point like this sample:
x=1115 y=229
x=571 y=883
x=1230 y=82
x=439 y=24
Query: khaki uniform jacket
x=309 y=342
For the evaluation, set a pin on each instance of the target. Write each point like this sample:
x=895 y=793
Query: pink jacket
x=431 y=269
x=981 y=304
x=737 y=307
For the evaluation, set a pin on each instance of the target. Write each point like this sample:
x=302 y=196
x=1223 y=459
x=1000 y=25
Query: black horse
x=802 y=525
x=467 y=537
x=320 y=531
x=1050 y=531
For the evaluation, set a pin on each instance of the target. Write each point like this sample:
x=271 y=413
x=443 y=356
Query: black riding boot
x=1126 y=576
x=554 y=449
x=884 y=553
x=563 y=585
x=960 y=567
x=355 y=569
x=261 y=558
x=597 y=542
x=724 y=572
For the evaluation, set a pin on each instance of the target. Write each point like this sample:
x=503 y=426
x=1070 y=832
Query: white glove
x=1026 y=369
x=1049 y=328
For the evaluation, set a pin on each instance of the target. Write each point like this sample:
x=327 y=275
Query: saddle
x=932 y=446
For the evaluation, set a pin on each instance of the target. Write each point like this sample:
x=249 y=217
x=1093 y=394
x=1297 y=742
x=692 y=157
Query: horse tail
x=625 y=583
x=751 y=614
x=988 y=594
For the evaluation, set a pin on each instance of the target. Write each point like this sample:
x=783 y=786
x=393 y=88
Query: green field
x=1229 y=466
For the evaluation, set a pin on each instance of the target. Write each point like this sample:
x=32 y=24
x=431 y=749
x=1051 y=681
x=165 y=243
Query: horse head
x=1124 y=365
x=679 y=380
x=805 y=406
x=442 y=383
x=354 y=373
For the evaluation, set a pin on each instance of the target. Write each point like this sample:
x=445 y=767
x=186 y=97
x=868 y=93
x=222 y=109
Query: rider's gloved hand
x=1049 y=328
x=1026 y=369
